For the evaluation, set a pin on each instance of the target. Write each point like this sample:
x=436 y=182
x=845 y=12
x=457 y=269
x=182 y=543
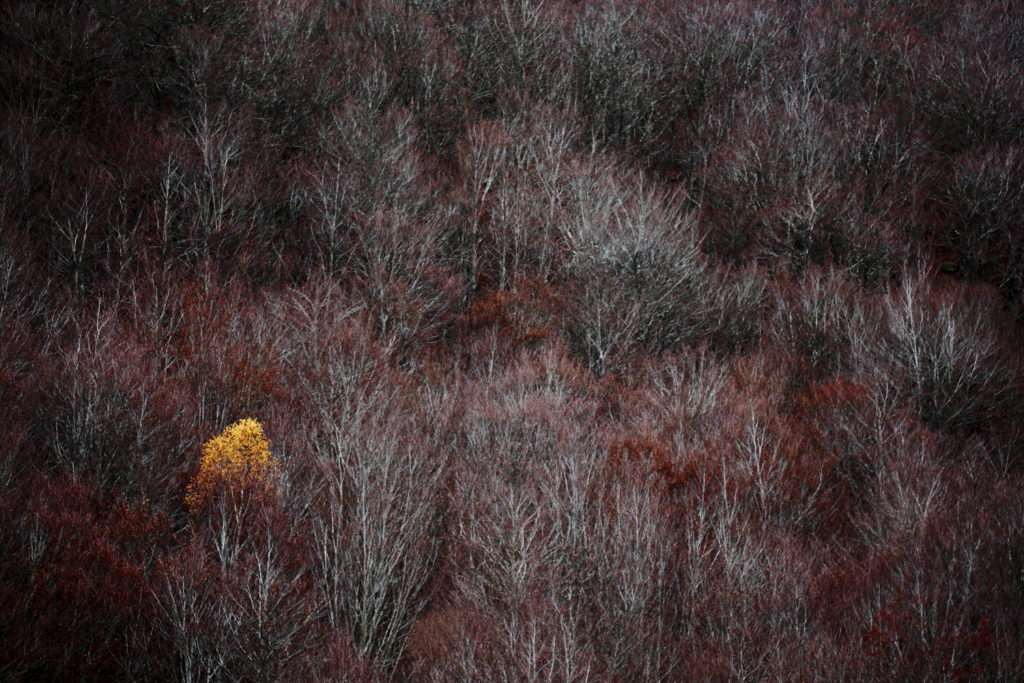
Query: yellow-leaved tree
x=237 y=458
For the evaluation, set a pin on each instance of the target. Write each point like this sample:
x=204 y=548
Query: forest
x=511 y=340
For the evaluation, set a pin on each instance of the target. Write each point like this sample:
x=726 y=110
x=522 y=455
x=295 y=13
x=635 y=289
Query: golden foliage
x=237 y=457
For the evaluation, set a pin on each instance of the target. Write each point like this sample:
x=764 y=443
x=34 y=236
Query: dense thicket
x=593 y=340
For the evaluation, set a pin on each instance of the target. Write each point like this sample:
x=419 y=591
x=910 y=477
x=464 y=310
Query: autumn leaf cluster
x=238 y=456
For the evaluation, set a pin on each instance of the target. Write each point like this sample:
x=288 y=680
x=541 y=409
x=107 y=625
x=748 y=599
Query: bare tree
x=377 y=531
x=947 y=358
